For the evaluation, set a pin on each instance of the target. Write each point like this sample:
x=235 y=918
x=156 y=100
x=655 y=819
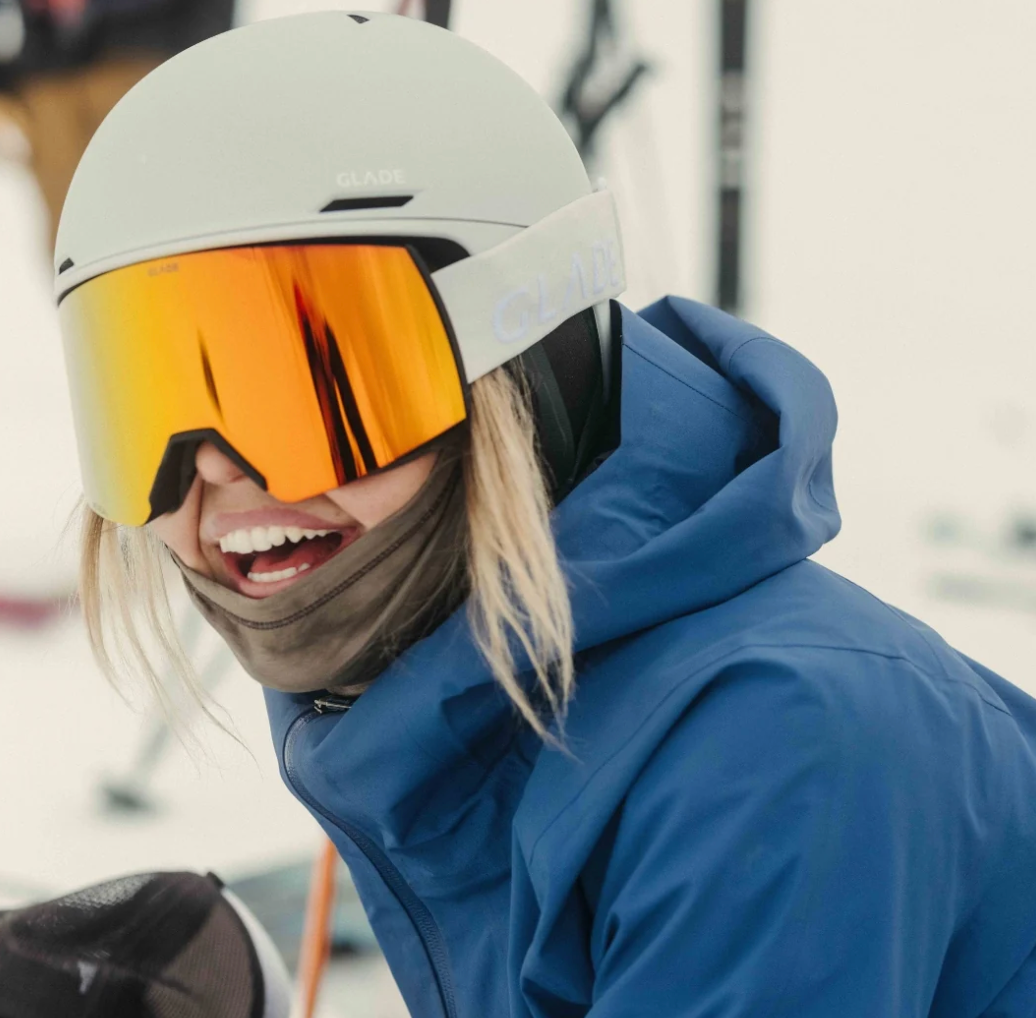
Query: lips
x=285 y=562
x=261 y=560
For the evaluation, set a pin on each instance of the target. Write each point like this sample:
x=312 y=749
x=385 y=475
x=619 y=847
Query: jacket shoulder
x=801 y=662
x=844 y=632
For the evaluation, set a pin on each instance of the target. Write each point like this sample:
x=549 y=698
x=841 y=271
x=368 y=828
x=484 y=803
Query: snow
x=890 y=225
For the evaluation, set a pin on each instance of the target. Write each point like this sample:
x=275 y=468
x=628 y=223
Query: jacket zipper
x=426 y=926
x=333 y=704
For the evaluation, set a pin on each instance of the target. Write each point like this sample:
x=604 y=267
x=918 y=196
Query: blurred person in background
x=153 y=945
x=65 y=63
x=525 y=574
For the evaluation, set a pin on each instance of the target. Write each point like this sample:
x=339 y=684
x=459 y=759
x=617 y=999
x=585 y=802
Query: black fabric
x=576 y=428
x=151 y=946
x=574 y=352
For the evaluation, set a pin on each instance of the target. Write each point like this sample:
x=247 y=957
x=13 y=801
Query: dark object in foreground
x=157 y=945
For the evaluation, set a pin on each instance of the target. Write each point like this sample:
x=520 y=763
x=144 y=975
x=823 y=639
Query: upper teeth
x=247 y=542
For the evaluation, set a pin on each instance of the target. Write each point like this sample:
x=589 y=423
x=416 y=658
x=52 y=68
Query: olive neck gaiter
x=338 y=628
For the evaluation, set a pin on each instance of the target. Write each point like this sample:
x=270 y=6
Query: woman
x=659 y=763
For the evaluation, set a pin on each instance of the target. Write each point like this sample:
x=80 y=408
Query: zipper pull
x=333 y=704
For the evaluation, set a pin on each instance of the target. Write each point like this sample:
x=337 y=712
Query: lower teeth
x=284 y=574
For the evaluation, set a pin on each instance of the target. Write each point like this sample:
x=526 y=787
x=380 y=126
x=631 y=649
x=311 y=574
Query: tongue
x=312 y=553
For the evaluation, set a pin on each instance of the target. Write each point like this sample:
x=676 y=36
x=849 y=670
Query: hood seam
x=687 y=385
x=748 y=342
x=826 y=506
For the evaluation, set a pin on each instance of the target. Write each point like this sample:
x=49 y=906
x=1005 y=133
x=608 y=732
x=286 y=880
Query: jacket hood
x=722 y=478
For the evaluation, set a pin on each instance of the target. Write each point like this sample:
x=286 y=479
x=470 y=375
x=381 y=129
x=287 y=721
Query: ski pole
x=315 y=949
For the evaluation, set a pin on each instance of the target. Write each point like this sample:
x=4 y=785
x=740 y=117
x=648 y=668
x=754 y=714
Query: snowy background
x=890 y=237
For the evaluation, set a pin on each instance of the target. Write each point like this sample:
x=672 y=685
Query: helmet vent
x=66 y=265
x=359 y=19
x=392 y=201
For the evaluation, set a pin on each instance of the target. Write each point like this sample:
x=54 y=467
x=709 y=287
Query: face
x=233 y=532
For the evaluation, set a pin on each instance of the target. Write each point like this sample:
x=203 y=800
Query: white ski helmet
x=340 y=125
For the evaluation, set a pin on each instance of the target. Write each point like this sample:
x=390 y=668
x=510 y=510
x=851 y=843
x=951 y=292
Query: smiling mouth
x=274 y=555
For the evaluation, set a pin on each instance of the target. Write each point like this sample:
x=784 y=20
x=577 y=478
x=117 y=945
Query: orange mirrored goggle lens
x=312 y=364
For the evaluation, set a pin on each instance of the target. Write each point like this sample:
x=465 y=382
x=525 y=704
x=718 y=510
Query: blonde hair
x=518 y=596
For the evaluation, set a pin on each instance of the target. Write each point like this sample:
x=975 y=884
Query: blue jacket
x=784 y=798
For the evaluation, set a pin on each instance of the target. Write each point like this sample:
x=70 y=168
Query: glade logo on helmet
x=515 y=313
x=370 y=178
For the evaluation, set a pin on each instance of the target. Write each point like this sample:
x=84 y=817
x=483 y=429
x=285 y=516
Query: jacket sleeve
x=783 y=855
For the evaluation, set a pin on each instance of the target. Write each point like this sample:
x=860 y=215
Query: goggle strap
x=568 y=262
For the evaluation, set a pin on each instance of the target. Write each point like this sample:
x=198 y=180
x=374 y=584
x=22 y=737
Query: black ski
x=733 y=31
x=602 y=79
x=437 y=12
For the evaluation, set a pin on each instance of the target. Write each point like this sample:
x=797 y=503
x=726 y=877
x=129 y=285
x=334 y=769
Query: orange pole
x=315 y=949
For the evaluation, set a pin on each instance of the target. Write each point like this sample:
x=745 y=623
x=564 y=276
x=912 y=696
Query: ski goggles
x=309 y=364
